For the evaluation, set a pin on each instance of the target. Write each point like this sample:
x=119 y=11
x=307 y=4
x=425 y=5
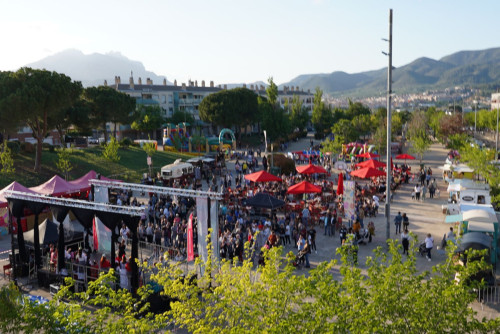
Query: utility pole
x=388 y=160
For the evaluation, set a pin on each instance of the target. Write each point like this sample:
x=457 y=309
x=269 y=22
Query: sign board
x=150 y=161
x=349 y=190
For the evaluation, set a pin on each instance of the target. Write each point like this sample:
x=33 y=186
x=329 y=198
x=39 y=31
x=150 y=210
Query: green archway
x=223 y=132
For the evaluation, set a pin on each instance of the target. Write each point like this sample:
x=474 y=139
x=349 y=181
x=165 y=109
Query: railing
x=489 y=295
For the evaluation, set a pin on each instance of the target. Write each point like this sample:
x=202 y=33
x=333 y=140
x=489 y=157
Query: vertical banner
x=101 y=195
x=349 y=199
x=190 y=250
x=103 y=237
x=202 y=214
x=214 y=224
x=94 y=234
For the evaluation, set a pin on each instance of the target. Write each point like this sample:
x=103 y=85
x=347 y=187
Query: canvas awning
x=479 y=215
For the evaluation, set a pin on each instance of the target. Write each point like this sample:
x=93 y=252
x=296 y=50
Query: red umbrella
x=303 y=187
x=405 y=157
x=340 y=185
x=262 y=176
x=310 y=169
x=369 y=155
x=371 y=163
x=367 y=172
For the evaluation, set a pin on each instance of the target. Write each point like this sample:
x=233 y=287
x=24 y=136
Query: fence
x=489 y=295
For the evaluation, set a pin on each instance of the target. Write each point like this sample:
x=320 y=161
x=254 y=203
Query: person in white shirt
x=450 y=235
x=429 y=244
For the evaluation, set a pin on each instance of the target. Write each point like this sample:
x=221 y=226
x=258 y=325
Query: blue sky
x=245 y=41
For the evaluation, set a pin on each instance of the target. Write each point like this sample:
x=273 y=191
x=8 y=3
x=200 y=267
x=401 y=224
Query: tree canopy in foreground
x=390 y=297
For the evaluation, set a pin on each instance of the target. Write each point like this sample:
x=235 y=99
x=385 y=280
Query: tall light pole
x=388 y=149
x=496 y=140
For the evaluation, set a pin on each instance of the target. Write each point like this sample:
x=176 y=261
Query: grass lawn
x=130 y=168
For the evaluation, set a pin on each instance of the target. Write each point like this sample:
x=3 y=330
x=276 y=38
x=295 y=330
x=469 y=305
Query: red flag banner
x=94 y=234
x=190 y=250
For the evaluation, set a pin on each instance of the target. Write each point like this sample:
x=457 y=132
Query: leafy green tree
x=227 y=108
x=79 y=117
x=356 y=109
x=6 y=160
x=197 y=141
x=420 y=144
x=333 y=146
x=36 y=97
x=274 y=120
x=322 y=117
x=110 y=152
x=361 y=125
x=181 y=117
x=272 y=93
x=63 y=164
x=148 y=119
x=380 y=136
x=344 y=129
x=109 y=105
x=299 y=117
x=450 y=125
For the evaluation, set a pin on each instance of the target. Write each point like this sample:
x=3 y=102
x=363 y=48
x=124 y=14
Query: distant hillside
x=94 y=68
x=464 y=68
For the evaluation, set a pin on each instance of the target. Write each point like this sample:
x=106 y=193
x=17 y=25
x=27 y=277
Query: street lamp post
x=496 y=141
x=388 y=149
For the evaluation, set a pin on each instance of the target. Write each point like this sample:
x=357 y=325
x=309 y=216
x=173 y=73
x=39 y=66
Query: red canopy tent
x=367 y=172
x=15 y=186
x=369 y=155
x=310 y=169
x=340 y=185
x=303 y=187
x=56 y=186
x=405 y=157
x=371 y=163
x=262 y=176
x=83 y=182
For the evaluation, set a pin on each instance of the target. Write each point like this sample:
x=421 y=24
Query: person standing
x=424 y=192
x=417 y=192
x=343 y=234
x=429 y=244
x=406 y=221
x=405 y=240
x=397 y=221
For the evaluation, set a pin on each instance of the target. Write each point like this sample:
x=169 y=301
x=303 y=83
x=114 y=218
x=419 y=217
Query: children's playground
x=178 y=138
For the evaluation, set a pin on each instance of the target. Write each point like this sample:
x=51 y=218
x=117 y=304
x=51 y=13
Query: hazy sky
x=245 y=41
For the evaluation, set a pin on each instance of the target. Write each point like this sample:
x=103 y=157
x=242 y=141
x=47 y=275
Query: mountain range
x=464 y=68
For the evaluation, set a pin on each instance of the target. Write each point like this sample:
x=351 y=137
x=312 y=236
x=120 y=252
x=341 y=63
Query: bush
x=14 y=146
x=126 y=142
x=287 y=165
x=27 y=147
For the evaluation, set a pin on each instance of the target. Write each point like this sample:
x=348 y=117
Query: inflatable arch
x=223 y=132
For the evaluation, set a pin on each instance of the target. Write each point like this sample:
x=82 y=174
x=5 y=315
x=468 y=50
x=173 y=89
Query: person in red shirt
x=105 y=264
x=273 y=239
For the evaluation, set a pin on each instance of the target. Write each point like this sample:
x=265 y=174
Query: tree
x=389 y=296
x=271 y=298
x=420 y=144
x=272 y=93
x=181 y=117
x=148 y=119
x=356 y=109
x=6 y=160
x=110 y=152
x=333 y=146
x=63 y=164
x=299 y=117
x=361 y=125
x=343 y=128
x=109 y=105
x=274 y=120
x=322 y=117
x=227 y=108
x=450 y=125
x=36 y=98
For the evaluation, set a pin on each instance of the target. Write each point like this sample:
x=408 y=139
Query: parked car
x=93 y=141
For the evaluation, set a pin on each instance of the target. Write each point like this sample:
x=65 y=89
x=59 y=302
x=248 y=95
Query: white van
x=177 y=170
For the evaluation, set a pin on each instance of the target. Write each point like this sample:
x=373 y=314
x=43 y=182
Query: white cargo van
x=177 y=170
